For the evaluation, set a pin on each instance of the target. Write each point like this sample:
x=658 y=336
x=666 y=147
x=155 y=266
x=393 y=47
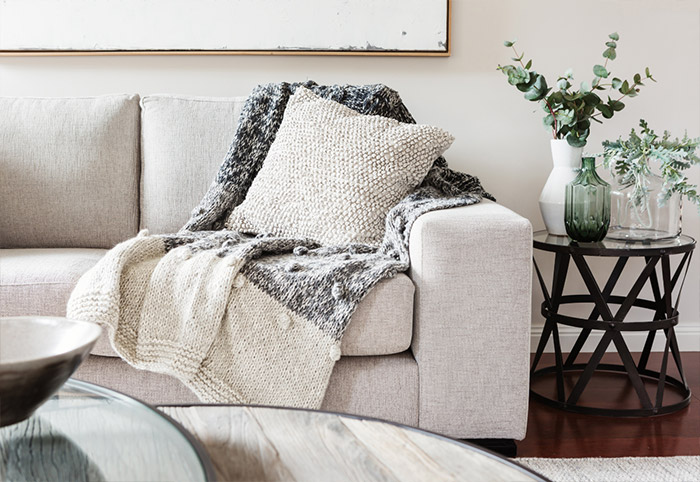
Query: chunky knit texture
x=253 y=319
x=332 y=174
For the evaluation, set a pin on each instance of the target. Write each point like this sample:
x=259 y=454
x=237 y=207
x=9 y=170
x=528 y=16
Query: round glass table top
x=86 y=432
x=612 y=247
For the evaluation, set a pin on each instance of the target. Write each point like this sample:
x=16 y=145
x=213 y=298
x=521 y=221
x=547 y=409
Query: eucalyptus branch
x=570 y=111
x=518 y=57
x=630 y=160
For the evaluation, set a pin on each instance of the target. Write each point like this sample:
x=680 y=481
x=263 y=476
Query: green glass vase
x=587 y=205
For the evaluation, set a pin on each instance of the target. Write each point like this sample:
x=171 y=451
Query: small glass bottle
x=587 y=208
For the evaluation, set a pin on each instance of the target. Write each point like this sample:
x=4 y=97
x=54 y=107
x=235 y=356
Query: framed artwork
x=244 y=27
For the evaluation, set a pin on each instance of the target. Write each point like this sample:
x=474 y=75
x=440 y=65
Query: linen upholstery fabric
x=474 y=356
x=183 y=141
x=332 y=174
x=385 y=387
x=69 y=171
x=39 y=282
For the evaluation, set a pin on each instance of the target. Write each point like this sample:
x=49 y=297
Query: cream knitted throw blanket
x=244 y=319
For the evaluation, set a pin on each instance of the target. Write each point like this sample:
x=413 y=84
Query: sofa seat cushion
x=40 y=281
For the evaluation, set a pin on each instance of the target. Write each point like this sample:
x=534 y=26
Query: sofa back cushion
x=68 y=171
x=184 y=140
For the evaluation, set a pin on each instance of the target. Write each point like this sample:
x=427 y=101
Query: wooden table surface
x=261 y=443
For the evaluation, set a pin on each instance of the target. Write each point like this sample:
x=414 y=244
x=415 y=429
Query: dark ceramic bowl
x=37 y=355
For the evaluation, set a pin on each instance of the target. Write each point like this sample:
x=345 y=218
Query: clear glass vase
x=642 y=215
x=587 y=208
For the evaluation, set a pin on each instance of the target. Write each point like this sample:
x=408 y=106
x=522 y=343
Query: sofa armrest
x=471 y=267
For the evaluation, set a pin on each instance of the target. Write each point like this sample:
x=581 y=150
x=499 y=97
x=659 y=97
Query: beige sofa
x=444 y=347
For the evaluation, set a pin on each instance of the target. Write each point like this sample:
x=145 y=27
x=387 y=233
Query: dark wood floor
x=556 y=433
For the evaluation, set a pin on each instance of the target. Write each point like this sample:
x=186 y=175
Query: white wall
x=499 y=134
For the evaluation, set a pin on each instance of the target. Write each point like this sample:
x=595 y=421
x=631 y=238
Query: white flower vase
x=566 y=161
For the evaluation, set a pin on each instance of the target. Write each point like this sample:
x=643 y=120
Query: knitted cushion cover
x=332 y=174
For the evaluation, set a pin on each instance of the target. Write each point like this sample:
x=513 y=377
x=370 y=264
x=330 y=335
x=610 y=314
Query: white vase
x=566 y=161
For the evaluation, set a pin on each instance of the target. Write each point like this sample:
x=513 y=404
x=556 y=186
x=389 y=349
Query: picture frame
x=225 y=27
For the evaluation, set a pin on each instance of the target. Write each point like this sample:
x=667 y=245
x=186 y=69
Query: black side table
x=612 y=324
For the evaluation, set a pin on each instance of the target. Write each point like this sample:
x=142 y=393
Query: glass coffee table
x=273 y=443
x=89 y=433
x=86 y=432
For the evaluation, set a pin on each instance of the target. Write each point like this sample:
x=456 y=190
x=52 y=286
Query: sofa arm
x=471 y=267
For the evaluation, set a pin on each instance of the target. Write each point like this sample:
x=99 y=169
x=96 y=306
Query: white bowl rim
x=31 y=362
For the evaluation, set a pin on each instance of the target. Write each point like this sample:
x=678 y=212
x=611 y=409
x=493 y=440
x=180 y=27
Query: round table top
x=268 y=443
x=611 y=247
x=87 y=432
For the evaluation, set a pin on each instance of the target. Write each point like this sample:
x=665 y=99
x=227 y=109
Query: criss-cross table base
x=612 y=323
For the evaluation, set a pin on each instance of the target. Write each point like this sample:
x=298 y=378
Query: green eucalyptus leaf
x=616 y=105
x=612 y=44
x=647 y=73
x=565 y=117
x=575 y=140
x=610 y=53
x=592 y=99
x=518 y=76
x=573 y=97
x=637 y=78
x=556 y=98
x=569 y=74
x=616 y=83
x=605 y=110
x=583 y=125
x=548 y=121
x=614 y=36
x=509 y=43
x=563 y=84
x=600 y=71
x=528 y=64
x=525 y=86
x=538 y=90
x=625 y=88
x=585 y=87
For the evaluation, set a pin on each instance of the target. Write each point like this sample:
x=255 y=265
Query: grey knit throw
x=213 y=345
x=361 y=266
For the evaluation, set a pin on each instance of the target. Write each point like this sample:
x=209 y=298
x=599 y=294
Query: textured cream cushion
x=69 y=170
x=332 y=174
x=183 y=141
x=39 y=282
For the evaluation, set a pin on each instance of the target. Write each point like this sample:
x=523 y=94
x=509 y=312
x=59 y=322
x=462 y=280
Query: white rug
x=632 y=469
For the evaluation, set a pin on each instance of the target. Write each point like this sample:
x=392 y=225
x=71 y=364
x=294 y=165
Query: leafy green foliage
x=630 y=160
x=569 y=112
